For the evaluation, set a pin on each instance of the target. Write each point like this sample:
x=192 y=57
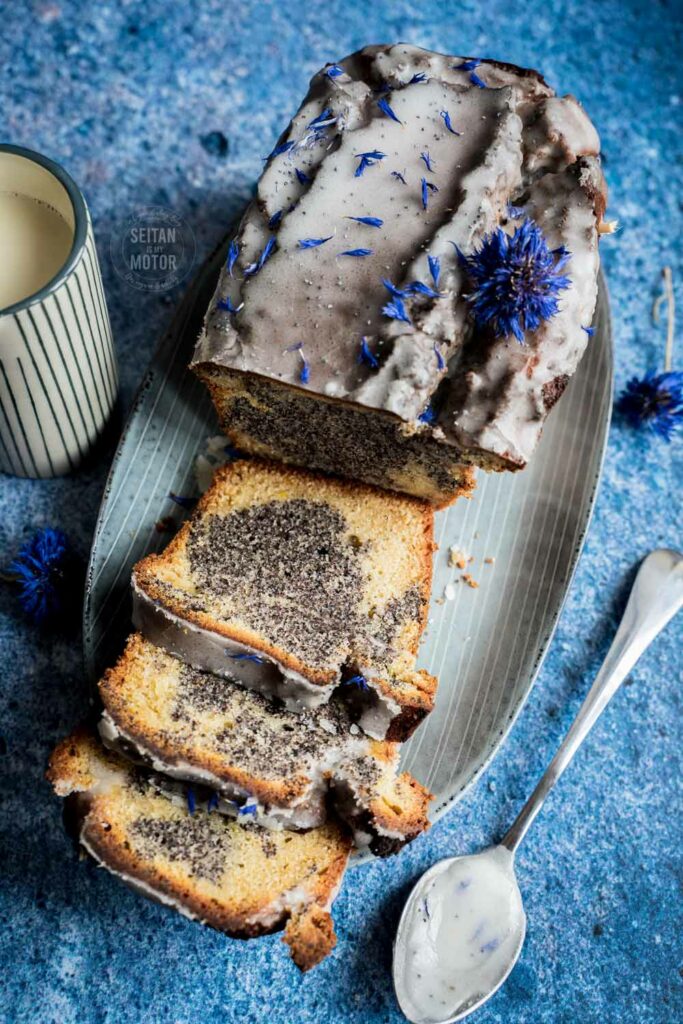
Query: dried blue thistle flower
x=427 y=160
x=446 y=118
x=427 y=187
x=371 y=222
x=284 y=147
x=184 y=502
x=313 y=243
x=357 y=252
x=246 y=657
x=515 y=280
x=358 y=680
x=233 y=253
x=383 y=105
x=367 y=160
x=418 y=78
x=212 y=803
x=440 y=361
x=48 y=576
x=655 y=401
x=366 y=355
x=191 y=800
x=434 y=269
x=274 y=221
x=399 y=177
x=396 y=310
x=334 y=71
x=302 y=177
x=254 y=268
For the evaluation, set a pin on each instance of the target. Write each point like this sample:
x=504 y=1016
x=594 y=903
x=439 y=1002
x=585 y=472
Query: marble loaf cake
x=295 y=584
x=260 y=762
x=414 y=283
x=241 y=879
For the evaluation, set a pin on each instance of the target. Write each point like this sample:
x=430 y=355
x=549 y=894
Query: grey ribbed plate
x=486 y=645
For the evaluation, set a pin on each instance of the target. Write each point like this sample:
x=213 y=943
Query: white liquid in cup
x=35 y=242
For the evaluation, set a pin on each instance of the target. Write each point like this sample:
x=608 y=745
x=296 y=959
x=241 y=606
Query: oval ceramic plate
x=487 y=644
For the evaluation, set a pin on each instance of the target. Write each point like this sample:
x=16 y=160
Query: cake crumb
x=458 y=558
x=469 y=581
x=449 y=591
x=490 y=560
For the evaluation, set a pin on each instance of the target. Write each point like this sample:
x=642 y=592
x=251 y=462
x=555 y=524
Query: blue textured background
x=121 y=94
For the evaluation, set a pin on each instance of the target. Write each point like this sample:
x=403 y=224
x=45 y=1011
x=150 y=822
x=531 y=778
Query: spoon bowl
x=472 y=907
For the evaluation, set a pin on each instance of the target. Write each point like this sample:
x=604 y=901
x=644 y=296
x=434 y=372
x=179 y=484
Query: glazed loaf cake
x=293 y=584
x=261 y=762
x=411 y=289
x=241 y=879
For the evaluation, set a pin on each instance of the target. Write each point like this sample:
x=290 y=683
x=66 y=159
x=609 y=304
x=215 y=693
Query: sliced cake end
x=243 y=880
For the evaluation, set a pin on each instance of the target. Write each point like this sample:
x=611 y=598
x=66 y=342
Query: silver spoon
x=463 y=927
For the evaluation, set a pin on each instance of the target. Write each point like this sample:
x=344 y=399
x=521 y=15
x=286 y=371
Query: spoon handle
x=656 y=596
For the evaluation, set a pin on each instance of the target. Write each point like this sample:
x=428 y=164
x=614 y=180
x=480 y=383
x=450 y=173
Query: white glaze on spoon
x=463 y=934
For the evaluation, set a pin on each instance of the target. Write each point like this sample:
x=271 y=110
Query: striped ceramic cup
x=58 y=376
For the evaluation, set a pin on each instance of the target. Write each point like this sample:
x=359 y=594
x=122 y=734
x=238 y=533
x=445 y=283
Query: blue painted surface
x=122 y=95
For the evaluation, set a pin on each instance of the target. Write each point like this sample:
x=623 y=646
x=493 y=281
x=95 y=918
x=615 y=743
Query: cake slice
x=241 y=879
x=266 y=764
x=412 y=287
x=292 y=584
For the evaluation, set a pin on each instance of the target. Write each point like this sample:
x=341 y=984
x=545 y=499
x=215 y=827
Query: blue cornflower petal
x=393 y=289
x=476 y=80
x=396 y=310
x=399 y=177
x=48 y=575
x=248 y=808
x=467 y=65
x=446 y=117
x=301 y=177
x=359 y=681
x=212 y=802
x=233 y=253
x=440 y=361
x=181 y=500
x=305 y=374
x=418 y=78
x=373 y=154
x=356 y=252
x=274 y=221
x=590 y=331
x=427 y=187
x=312 y=243
x=418 y=288
x=228 y=306
x=324 y=118
x=371 y=222
x=434 y=269
x=254 y=268
x=284 y=147
x=428 y=416
x=334 y=71
x=515 y=280
x=191 y=800
x=427 y=160
x=383 y=105
x=655 y=401
x=246 y=657
x=366 y=355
